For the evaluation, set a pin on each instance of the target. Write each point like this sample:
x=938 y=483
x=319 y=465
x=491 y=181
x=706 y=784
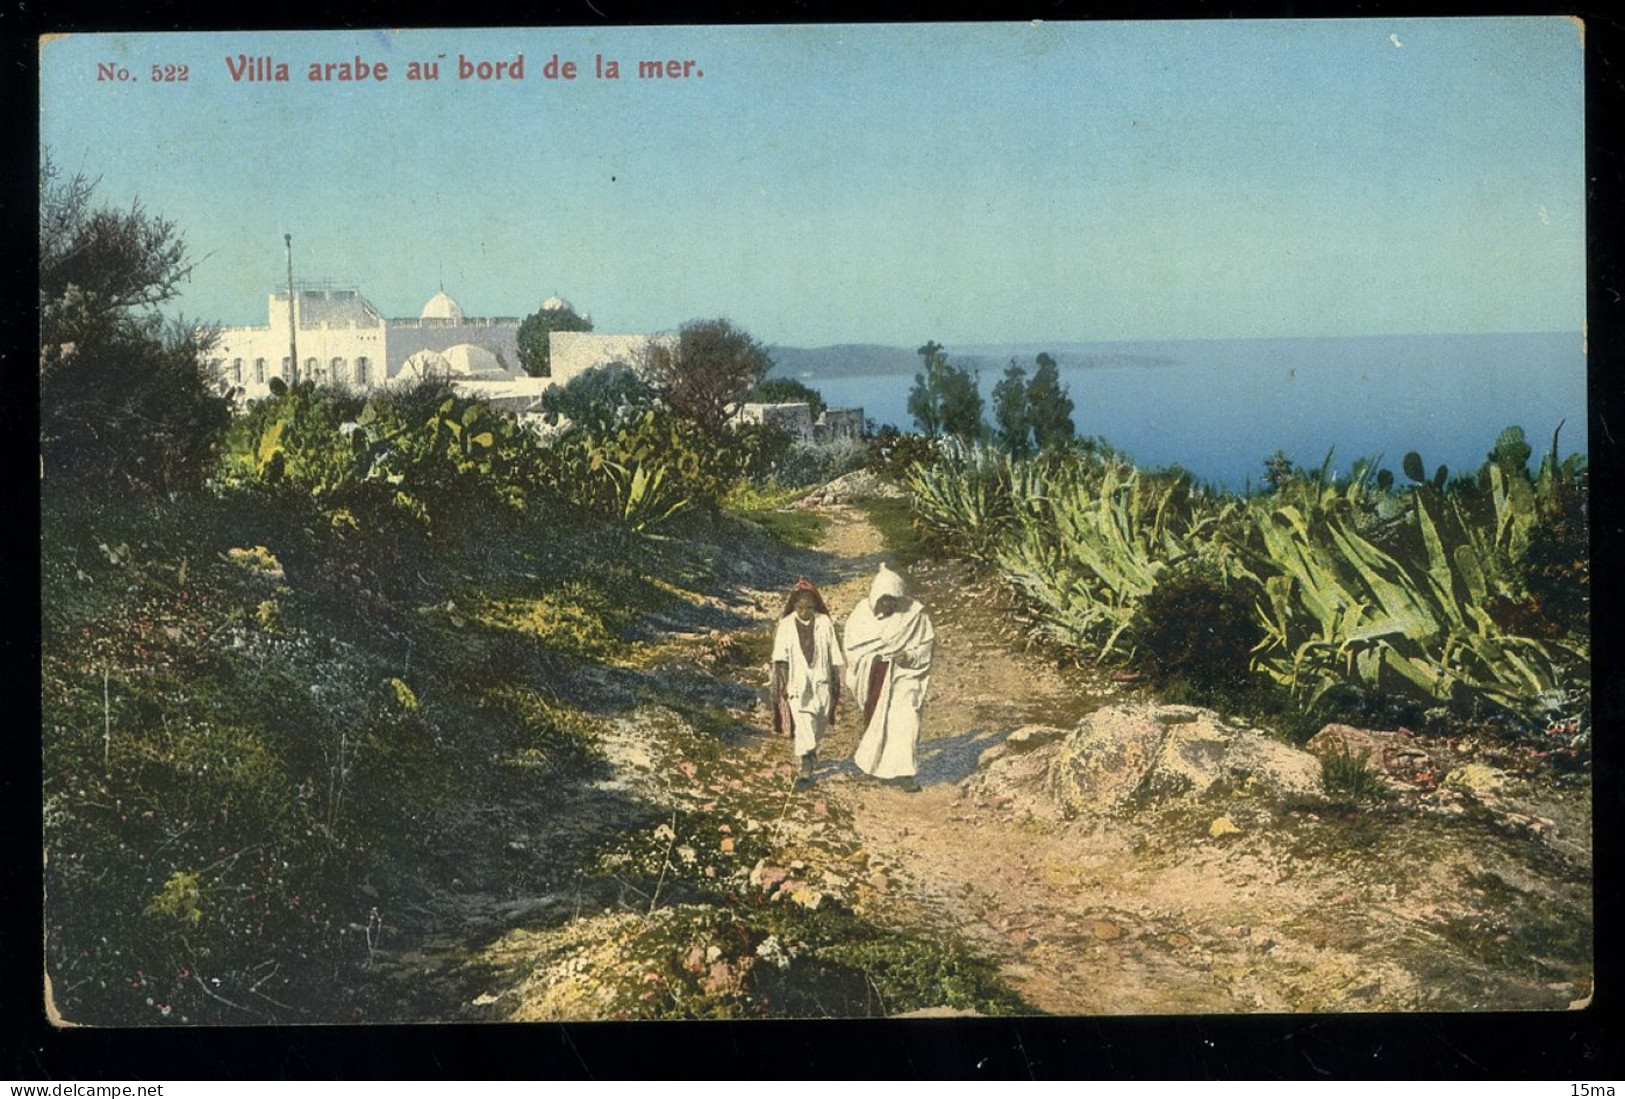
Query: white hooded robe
x=906 y=642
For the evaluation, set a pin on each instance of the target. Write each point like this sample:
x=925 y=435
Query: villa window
x=312 y=370
x=361 y=370
x=338 y=371
x=237 y=371
x=286 y=364
x=259 y=371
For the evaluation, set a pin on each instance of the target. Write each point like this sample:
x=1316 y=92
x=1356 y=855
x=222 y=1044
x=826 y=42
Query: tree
x=925 y=399
x=533 y=333
x=1011 y=415
x=962 y=404
x=706 y=373
x=1048 y=406
x=126 y=403
x=597 y=399
x=789 y=391
x=946 y=399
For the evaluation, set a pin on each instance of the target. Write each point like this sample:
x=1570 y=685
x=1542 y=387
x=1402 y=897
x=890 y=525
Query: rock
x=853 y=486
x=803 y=894
x=1477 y=779
x=722 y=979
x=998 y=751
x=1124 y=755
x=1391 y=754
x=1280 y=767
x=1223 y=826
x=766 y=877
x=1105 y=930
x=1100 y=765
x=1191 y=758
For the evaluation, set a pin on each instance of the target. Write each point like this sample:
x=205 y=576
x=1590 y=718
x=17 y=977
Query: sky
x=968 y=183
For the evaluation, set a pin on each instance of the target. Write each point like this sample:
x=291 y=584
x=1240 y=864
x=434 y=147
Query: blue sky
x=965 y=183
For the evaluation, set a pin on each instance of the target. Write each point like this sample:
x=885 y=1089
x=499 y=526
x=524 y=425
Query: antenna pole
x=293 y=325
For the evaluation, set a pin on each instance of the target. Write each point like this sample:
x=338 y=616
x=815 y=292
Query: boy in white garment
x=807 y=665
x=892 y=645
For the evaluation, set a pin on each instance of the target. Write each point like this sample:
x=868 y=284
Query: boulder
x=998 y=751
x=766 y=877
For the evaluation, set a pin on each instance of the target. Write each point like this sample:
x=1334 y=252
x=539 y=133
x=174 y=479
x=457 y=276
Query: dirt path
x=694 y=828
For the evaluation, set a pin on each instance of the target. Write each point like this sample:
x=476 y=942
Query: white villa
x=343 y=340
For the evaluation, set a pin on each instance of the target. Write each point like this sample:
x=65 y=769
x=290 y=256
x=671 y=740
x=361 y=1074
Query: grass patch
x=802 y=529
x=1347 y=775
x=576 y=621
x=764 y=506
x=699 y=961
x=1522 y=931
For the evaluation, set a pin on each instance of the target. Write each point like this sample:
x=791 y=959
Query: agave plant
x=1338 y=608
x=965 y=499
x=1092 y=543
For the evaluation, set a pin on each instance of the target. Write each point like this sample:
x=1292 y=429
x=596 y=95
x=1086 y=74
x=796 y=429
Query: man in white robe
x=890 y=643
x=807 y=665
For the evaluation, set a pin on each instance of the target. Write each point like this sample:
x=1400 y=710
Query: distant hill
x=845 y=360
x=858 y=360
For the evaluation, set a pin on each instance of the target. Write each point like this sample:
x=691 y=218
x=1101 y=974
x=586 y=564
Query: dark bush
x=1195 y=629
x=893 y=453
x=126 y=405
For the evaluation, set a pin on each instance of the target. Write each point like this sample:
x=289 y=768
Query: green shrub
x=1347 y=775
x=808 y=464
x=420 y=456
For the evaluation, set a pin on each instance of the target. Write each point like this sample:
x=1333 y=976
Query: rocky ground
x=1078 y=848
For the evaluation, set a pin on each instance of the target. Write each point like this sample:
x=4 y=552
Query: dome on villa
x=556 y=304
x=426 y=365
x=467 y=360
x=442 y=307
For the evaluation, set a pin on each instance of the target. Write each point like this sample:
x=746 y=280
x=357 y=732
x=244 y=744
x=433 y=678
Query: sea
x=1218 y=408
